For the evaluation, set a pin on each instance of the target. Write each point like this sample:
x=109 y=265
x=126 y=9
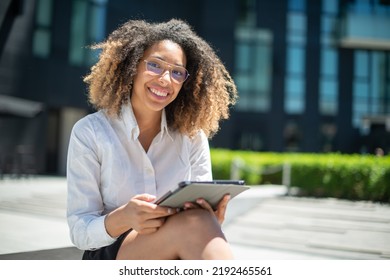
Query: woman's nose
x=165 y=77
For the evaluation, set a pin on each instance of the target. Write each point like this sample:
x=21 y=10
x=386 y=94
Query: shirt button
x=149 y=171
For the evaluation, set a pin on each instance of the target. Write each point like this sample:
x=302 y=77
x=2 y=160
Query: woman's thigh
x=184 y=235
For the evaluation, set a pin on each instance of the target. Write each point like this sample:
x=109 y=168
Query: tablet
x=211 y=191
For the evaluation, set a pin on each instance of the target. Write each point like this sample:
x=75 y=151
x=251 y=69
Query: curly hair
x=205 y=97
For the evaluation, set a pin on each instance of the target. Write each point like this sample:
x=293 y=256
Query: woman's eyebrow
x=161 y=58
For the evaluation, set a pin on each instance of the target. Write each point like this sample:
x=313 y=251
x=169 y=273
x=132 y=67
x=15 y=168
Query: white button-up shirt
x=107 y=166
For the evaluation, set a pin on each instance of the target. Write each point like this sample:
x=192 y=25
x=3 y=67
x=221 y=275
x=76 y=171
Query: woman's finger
x=205 y=205
x=221 y=208
x=150 y=226
x=190 y=205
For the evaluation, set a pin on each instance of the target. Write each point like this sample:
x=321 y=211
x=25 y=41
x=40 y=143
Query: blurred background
x=313 y=75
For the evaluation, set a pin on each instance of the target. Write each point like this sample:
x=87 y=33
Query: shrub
x=354 y=177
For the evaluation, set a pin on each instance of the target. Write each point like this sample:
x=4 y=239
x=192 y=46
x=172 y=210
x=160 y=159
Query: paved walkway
x=314 y=229
x=261 y=223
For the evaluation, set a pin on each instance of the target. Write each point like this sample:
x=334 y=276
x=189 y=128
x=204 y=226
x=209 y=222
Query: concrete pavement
x=306 y=228
x=261 y=223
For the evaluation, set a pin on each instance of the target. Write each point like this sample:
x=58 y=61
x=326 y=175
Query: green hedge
x=353 y=177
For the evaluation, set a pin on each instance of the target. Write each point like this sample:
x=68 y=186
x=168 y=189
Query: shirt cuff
x=100 y=234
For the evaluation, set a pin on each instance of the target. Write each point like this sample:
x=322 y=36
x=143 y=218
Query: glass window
x=253 y=68
x=246 y=13
x=330 y=6
x=78 y=32
x=378 y=82
x=294 y=100
x=41 y=41
x=98 y=20
x=295 y=85
x=329 y=30
x=360 y=110
x=294 y=106
x=296 y=39
x=296 y=22
x=328 y=84
x=297 y=5
x=243 y=54
x=329 y=87
x=369 y=84
x=361 y=90
x=296 y=60
x=87 y=27
x=328 y=24
x=97 y=27
x=329 y=61
x=262 y=67
x=243 y=82
x=362 y=6
x=44 y=12
x=361 y=64
x=328 y=96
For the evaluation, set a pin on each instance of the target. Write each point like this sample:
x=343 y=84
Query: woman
x=160 y=92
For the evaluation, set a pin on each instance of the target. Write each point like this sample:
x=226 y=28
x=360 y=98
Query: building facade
x=312 y=75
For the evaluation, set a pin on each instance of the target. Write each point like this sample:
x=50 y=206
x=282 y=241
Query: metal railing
x=239 y=165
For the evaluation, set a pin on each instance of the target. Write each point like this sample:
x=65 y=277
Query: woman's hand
x=146 y=217
x=219 y=212
x=140 y=214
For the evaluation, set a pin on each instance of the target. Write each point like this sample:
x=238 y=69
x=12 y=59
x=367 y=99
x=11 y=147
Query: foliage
x=354 y=177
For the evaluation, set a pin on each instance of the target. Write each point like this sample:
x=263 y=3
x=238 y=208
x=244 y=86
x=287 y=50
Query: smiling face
x=151 y=92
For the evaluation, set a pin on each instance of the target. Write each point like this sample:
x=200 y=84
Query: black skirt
x=106 y=253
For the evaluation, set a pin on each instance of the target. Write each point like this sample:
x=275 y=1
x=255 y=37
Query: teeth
x=159 y=93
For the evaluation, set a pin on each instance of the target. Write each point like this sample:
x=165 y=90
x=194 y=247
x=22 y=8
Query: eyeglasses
x=156 y=67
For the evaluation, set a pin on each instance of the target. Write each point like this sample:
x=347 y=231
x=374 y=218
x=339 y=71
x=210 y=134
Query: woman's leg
x=192 y=234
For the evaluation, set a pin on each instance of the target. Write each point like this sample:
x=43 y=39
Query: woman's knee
x=200 y=236
x=196 y=221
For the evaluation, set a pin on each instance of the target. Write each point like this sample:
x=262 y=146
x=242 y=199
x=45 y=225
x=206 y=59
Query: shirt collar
x=164 y=125
x=132 y=125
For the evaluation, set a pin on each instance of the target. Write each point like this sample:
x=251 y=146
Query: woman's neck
x=149 y=123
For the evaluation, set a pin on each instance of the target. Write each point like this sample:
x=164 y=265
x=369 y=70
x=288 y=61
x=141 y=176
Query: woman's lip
x=159 y=92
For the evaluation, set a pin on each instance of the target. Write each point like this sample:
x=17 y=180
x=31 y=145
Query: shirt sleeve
x=85 y=203
x=200 y=158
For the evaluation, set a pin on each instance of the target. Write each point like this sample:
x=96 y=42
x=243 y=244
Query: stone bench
x=68 y=253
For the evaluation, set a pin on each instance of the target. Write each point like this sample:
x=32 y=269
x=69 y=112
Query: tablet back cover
x=211 y=192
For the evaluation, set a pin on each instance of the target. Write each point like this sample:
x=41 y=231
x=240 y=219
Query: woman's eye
x=154 y=64
x=178 y=72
